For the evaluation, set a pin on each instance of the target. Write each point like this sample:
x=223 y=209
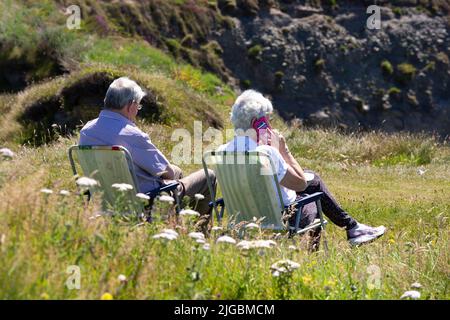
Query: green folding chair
x=250 y=188
x=109 y=165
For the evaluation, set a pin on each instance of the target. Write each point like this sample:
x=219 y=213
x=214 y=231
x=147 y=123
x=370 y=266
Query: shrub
x=246 y=84
x=387 y=67
x=174 y=46
x=278 y=79
x=406 y=71
x=394 y=91
x=254 y=52
x=397 y=11
x=443 y=58
x=319 y=64
x=188 y=41
x=431 y=66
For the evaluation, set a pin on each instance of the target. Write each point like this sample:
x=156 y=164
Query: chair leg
x=297 y=218
x=222 y=209
x=148 y=210
x=211 y=190
x=322 y=225
x=176 y=195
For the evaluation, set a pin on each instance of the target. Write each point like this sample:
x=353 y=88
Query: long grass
x=44 y=234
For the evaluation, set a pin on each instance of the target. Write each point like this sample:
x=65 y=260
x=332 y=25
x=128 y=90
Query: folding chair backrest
x=249 y=185
x=108 y=165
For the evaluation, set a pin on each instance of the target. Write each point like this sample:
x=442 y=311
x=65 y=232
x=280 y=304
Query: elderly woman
x=252 y=106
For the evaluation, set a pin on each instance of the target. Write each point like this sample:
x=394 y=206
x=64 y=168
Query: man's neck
x=122 y=113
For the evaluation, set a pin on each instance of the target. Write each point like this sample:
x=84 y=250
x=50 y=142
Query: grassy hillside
x=374 y=175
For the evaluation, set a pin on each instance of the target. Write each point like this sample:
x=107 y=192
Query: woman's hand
x=278 y=140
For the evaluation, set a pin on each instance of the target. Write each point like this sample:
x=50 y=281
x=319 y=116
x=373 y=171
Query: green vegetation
x=406 y=72
x=254 y=52
x=397 y=11
x=319 y=64
x=246 y=84
x=387 y=67
x=431 y=66
x=393 y=91
x=443 y=58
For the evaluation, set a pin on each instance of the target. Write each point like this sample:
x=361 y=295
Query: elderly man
x=116 y=126
x=251 y=107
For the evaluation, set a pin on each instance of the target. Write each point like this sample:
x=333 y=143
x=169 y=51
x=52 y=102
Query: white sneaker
x=362 y=234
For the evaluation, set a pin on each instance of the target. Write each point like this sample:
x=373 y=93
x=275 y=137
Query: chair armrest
x=169 y=187
x=308 y=199
x=219 y=202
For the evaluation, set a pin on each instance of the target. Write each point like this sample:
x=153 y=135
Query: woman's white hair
x=121 y=92
x=249 y=105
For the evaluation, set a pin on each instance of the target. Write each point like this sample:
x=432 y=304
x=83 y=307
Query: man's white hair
x=121 y=92
x=250 y=104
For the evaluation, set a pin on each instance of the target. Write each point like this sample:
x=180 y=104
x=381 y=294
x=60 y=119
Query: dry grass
x=42 y=236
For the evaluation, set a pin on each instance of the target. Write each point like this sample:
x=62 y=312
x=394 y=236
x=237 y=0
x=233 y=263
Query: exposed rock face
x=316 y=58
x=327 y=67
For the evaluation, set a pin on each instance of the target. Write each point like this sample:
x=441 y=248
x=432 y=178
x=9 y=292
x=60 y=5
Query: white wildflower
x=197 y=235
x=86 y=182
x=143 y=196
x=216 y=228
x=285 y=266
x=165 y=198
x=7 y=153
x=189 y=212
x=413 y=294
x=206 y=246
x=421 y=172
x=171 y=231
x=264 y=243
x=199 y=196
x=165 y=236
x=416 y=285
x=226 y=239
x=64 y=193
x=292 y=247
x=246 y=245
x=46 y=191
x=276 y=273
x=251 y=225
x=122 y=187
x=201 y=241
x=122 y=278
x=3 y=239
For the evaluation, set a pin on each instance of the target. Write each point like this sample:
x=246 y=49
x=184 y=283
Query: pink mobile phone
x=263 y=129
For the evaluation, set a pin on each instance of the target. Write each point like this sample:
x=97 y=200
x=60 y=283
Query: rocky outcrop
x=325 y=67
x=315 y=58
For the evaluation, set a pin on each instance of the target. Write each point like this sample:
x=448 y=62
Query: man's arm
x=169 y=173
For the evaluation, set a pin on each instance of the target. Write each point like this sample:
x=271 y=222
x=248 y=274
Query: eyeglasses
x=139 y=106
